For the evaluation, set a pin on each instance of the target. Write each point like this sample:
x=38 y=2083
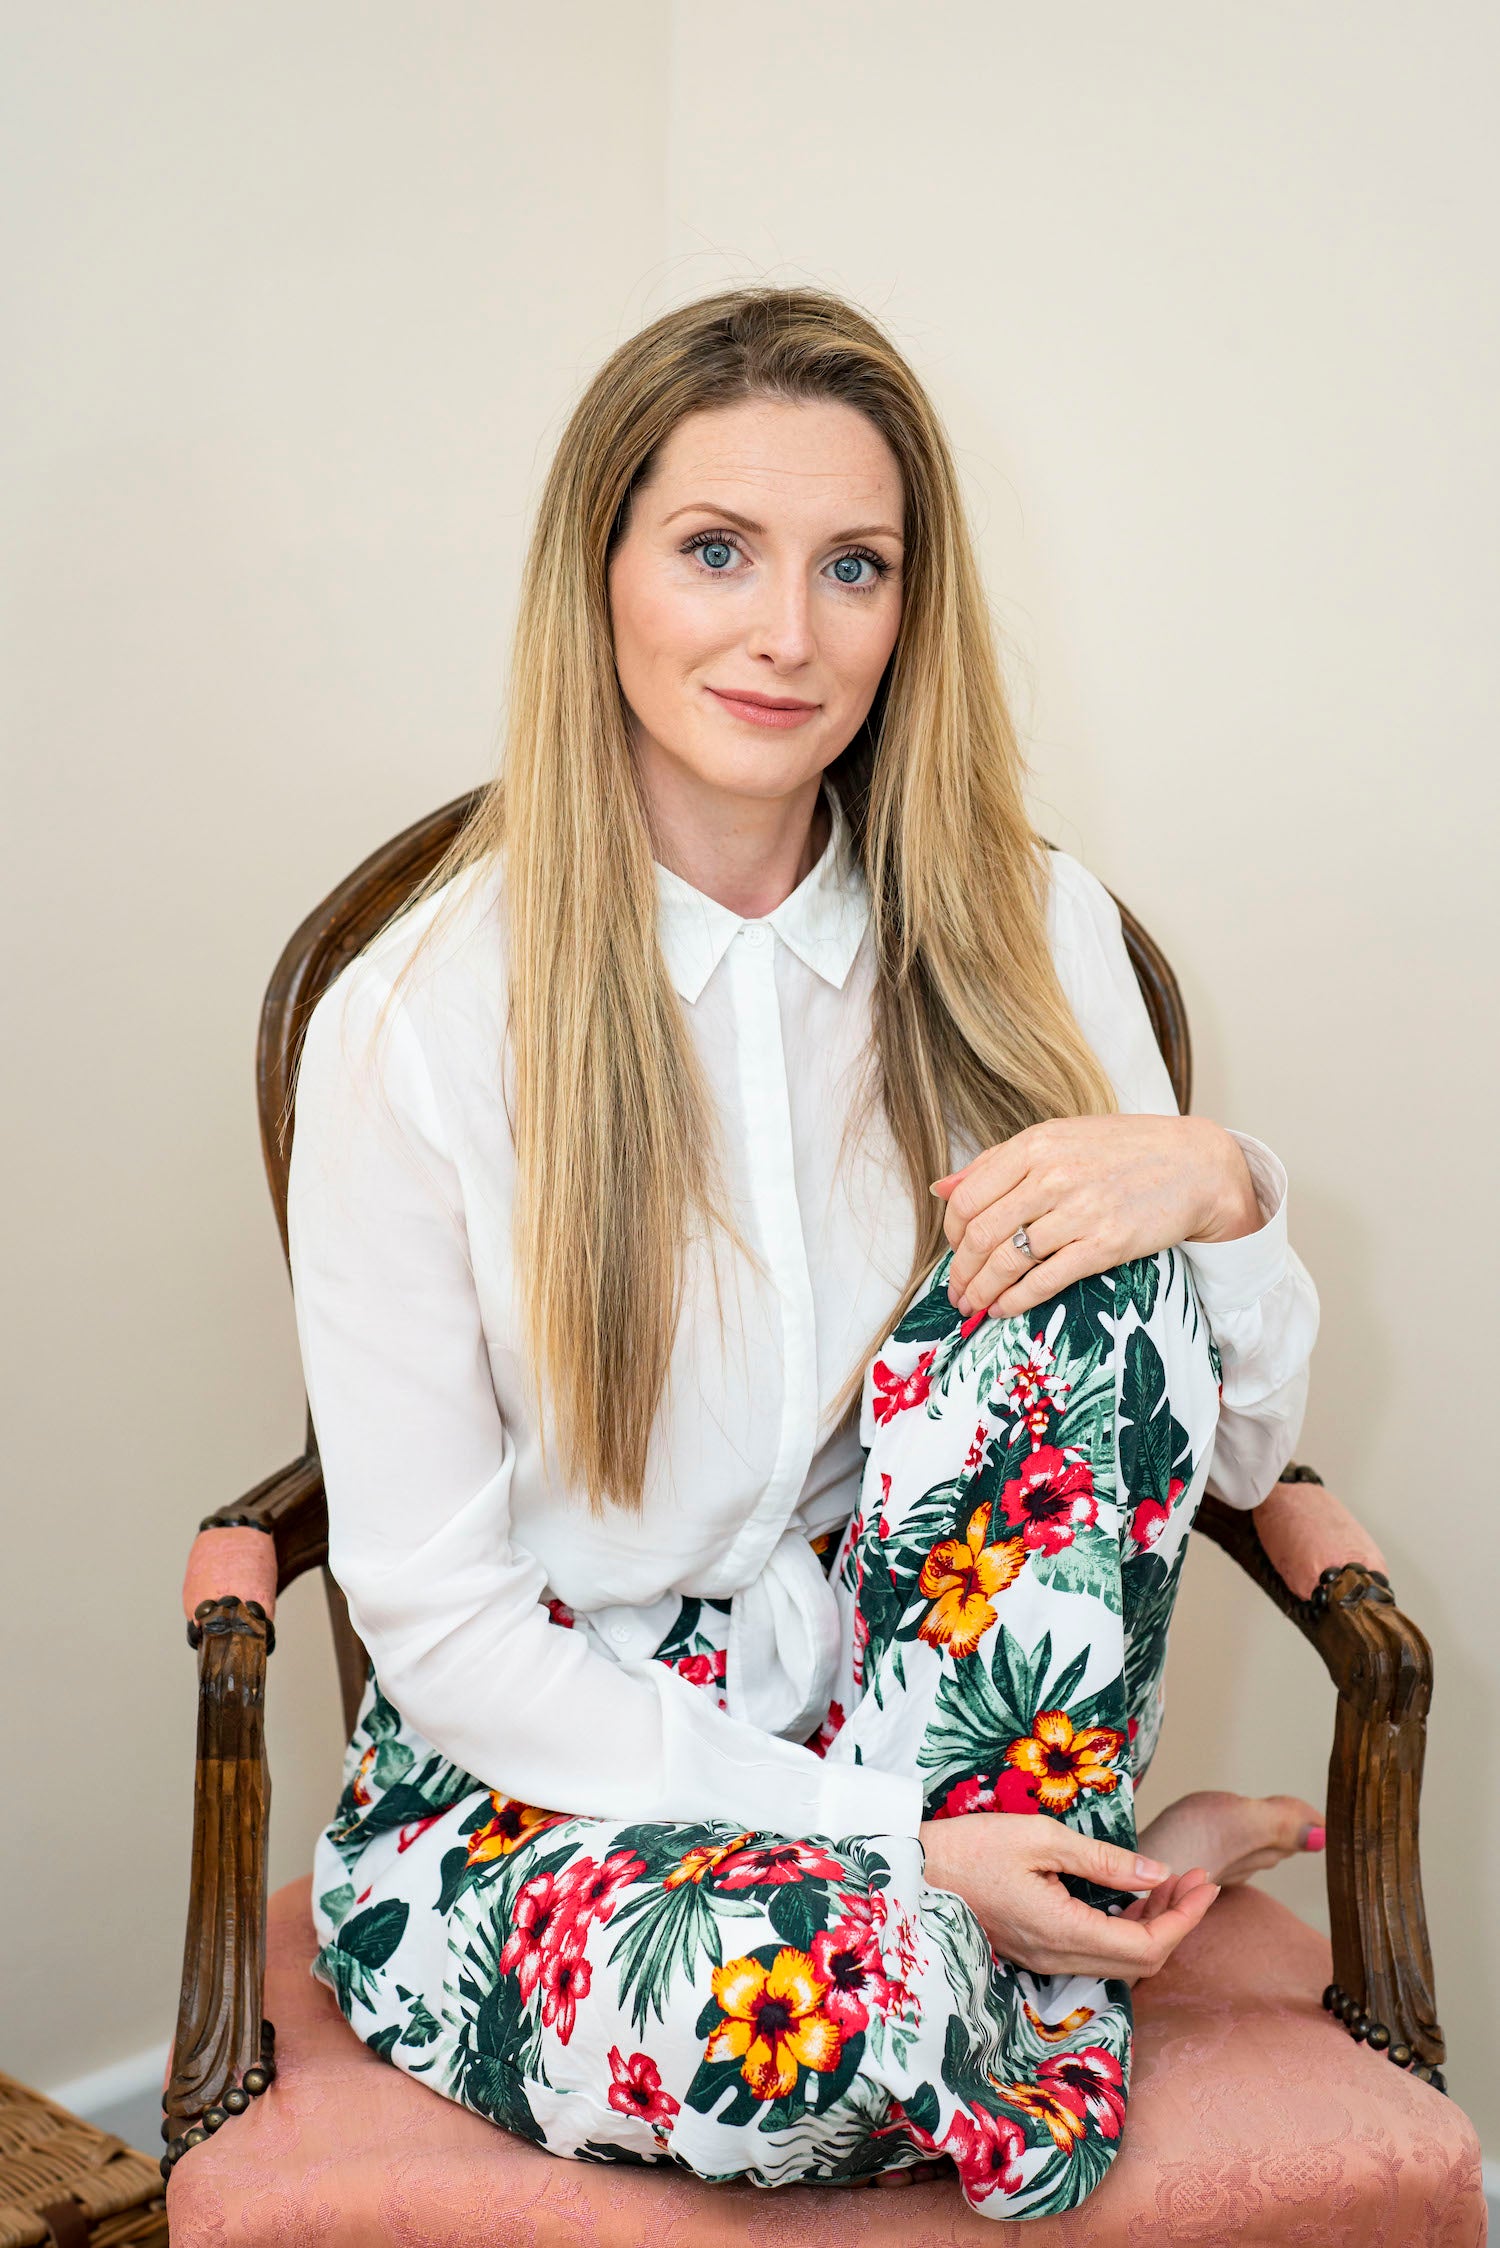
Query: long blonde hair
x=616 y=1142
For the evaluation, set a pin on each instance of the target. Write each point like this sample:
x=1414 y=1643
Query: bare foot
x=1231 y=1836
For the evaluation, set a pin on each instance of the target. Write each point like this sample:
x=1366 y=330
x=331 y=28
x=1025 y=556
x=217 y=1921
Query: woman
x=768 y=1331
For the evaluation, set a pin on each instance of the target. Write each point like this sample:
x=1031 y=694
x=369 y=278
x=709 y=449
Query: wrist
x=1232 y=1207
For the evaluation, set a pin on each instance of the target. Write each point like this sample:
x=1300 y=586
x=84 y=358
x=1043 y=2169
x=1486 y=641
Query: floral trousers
x=779 y=2008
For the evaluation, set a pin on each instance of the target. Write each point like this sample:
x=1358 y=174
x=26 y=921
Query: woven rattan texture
x=48 y=2155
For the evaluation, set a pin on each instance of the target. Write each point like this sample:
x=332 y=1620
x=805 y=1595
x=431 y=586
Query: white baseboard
x=139 y=2072
x=124 y=2099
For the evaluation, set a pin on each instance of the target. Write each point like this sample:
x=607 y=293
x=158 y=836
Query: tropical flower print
x=777 y=2006
x=896 y=1393
x=636 y=2089
x=960 y=1577
x=1050 y=1500
x=1092 y=2081
x=510 y=1824
x=1054 y=2032
x=543 y=1930
x=774 y=2022
x=1151 y=1516
x=1065 y=2122
x=775 y=1864
x=1033 y=1388
x=848 y=1959
x=591 y=1892
x=705 y=1858
x=566 y=1977
x=1007 y=1791
x=1063 y=1762
x=986 y=2149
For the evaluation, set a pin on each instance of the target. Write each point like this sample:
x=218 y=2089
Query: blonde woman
x=768 y=1331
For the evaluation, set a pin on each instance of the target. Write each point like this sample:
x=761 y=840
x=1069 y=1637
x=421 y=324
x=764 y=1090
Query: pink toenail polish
x=1316 y=1838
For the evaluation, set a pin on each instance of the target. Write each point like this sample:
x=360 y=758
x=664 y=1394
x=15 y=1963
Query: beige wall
x=301 y=298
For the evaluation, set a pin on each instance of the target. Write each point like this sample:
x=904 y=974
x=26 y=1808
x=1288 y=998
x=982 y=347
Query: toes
x=1295 y=1824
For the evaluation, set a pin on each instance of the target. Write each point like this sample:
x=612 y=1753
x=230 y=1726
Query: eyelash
x=878 y=562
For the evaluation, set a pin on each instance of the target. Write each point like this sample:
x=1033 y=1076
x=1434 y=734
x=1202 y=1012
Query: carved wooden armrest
x=223 y=2052
x=1382 y=1988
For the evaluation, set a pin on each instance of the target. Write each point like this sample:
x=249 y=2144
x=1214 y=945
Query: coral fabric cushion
x=231 y=1561
x=1253 y=2117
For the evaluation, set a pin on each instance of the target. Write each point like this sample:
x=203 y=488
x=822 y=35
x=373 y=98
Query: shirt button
x=618 y=1633
x=756 y=933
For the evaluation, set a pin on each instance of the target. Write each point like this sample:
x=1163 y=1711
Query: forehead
x=809 y=455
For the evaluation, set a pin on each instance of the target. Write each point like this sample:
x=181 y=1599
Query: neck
x=746 y=852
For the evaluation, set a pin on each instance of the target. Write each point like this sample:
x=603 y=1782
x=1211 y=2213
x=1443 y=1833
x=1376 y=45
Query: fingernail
x=1150 y=1870
x=1315 y=1838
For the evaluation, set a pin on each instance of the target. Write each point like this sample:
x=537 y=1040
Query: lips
x=763 y=710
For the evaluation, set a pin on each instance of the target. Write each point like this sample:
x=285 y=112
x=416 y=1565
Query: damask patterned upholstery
x=1253 y=2118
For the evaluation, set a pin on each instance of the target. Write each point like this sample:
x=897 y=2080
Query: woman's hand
x=1091 y=1191
x=1005 y=1866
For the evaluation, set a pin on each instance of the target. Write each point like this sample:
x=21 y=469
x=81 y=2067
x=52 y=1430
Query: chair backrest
x=372 y=895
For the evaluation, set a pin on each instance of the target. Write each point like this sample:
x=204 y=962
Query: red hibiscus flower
x=543 y=1929
x=883 y=1521
x=1010 y=1791
x=975 y=1453
x=1051 y=1499
x=776 y=1864
x=1151 y=1517
x=847 y=1957
x=696 y=1669
x=971 y=1323
x=829 y=1730
x=895 y=1392
x=566 y=1977
x=561 y=1613
x=591 y=1892
x=1090 y=2081
x=636 y=2089
x=985 y=2149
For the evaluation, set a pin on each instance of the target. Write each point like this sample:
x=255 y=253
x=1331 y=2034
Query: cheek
x=662 y=632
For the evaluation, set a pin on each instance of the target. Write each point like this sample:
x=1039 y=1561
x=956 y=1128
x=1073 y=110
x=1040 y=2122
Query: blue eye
x=715 y=550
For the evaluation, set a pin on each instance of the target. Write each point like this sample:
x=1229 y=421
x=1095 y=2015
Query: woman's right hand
x=1006 y=1867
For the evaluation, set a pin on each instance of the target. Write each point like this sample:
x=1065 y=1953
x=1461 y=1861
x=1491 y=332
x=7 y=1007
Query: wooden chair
x=1251 y=2111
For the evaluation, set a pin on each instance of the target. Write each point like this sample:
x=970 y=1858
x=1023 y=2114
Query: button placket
x=766 y=1108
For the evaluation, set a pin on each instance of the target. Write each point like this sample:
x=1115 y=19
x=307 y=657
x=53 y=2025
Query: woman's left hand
x=1091 y=1191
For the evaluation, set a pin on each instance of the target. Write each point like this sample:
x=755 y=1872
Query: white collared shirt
x=447 y=1533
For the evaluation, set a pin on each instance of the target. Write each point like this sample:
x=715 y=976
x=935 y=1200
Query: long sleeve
x=418 y=1465
x=1258 y=1297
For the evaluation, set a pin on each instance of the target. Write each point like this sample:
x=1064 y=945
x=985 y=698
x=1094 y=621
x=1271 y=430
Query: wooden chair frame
x=224 y=2052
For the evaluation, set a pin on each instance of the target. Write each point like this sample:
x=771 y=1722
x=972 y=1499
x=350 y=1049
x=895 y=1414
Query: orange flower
x=362 y=1776
x=695 y=1865
x=1054 y=2033
x=958 y=1579
x=1064 y=2121
x=1063 y=1762
x=774 y=2022
x=513 y=1823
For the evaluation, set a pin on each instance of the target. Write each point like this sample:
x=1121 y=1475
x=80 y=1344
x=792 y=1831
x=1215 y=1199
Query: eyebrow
x=756 y=530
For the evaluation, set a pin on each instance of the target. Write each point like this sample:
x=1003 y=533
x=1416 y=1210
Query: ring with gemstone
x=1021 y=1240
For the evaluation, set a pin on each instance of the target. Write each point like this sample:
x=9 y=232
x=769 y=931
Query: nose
x=781 y=627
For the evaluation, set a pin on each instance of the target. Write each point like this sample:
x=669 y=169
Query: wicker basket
x=65 y=2185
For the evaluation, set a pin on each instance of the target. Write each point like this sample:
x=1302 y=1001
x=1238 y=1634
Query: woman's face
x=762 y=558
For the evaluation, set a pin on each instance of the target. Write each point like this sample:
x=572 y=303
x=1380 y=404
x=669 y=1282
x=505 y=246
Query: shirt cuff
x=860 y=1799
x=1233 y=1275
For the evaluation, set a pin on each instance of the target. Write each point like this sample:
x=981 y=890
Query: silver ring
x=1021 y=1240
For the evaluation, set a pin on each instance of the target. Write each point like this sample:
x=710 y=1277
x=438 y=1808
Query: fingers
x=1050 y=1275
x=997 y=1172
x=988 y=1261
x=1088 y=1942
x=1061 y=1849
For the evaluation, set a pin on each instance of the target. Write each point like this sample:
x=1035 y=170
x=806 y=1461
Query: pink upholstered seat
x=1254 y=2118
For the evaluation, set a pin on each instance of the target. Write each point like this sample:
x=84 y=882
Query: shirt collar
x=822 y=921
